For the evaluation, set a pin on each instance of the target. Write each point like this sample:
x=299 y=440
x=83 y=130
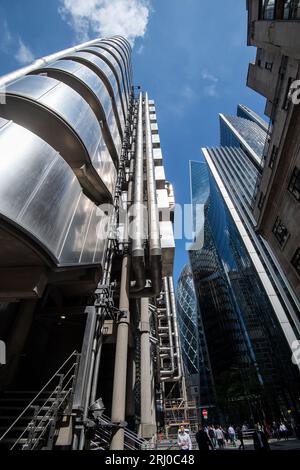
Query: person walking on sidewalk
x=220 y=437
x=231 y=434
x=260 y=441
x=203 y=440
x=240 y=436
x=183 y=440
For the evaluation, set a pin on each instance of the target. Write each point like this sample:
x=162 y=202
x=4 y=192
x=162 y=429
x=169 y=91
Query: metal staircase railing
x=43 y=414
x=104 y=432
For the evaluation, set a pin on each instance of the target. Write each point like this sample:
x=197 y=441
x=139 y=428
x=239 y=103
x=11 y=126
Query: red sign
x=204 y=413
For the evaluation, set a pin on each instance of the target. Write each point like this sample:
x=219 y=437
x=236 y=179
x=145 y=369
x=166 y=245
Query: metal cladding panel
x=82 y=246
x=105 y=70
x=167 y=247
x=116 y=67
x=3 y=122
x=162 y=198
x=94 y=83
x=160 y=177
x=39 y=195
x=77 y=134
x=118 y=52
x=105 y=167
x=64 y=101
x=155 y=139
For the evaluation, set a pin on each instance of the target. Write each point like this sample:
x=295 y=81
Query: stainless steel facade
x=69 y=118
x=87 y=247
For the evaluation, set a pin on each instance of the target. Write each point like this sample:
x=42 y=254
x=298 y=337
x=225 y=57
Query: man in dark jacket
x=203 y=440
x=259 y=440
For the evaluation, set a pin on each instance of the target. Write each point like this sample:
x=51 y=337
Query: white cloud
x=208 y=76
x=210 y=89
x=5 y=36
x=23 y=55
x=106 y=18
x=14 y=45
x=188 y=93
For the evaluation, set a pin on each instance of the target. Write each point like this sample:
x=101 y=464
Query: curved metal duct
x=116 y=69
x=138 y=262
x=116 y=48
x=61 y=117
x=114 y=58
x=42 y=201
x=129 y=49
x=10 y=77
x=121 y=44
x=91 y=60
x=85 y=82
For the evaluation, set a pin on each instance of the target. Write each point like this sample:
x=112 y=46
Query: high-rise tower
x=245 y=304
x=86 y=256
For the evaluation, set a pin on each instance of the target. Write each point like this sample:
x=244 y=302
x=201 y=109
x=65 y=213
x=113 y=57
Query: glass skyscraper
x=248 y=328
x=193 y=344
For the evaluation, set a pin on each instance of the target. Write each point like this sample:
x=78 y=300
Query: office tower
x=199 y=381
x=248 y=326
x=274 y=29
x=86 y=287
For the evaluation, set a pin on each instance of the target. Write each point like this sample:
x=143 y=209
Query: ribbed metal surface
x=40 y=195
x=61 y=133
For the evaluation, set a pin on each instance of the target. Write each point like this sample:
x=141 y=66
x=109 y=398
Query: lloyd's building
x=249 y=313
x=87 y=307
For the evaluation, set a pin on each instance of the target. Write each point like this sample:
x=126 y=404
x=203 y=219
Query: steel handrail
x=40 y=392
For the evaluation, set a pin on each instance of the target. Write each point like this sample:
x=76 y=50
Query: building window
x=291 y=10
x=281 y=232
x=269 y=66
x=273 y=156
x=296 y=261
x=267 y=9
x=294 y=184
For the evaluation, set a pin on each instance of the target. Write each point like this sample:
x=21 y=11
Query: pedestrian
x=212 y=435
x=220 y=437
x=226 y=436
x=240 y=437
x=183 y=440
x=260 y=441
x=283 y=431
x=231 y=435
x=203 y=440
x=275 y=431
x=245 y=427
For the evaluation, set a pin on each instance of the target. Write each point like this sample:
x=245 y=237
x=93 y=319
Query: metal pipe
x=10 y=77
x=138 y=199
x=146 y=428
x=153 y=217
x=175 y=324
x=154 y=231
x=170 y=330
x=120 y=369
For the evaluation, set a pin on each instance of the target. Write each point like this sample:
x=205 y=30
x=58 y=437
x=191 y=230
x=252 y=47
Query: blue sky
x=190 y=55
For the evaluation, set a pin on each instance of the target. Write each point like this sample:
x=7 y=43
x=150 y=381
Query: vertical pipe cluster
x=169 y=345
x=138 y=205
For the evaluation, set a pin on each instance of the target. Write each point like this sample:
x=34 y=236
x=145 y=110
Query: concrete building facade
x=274 y=29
